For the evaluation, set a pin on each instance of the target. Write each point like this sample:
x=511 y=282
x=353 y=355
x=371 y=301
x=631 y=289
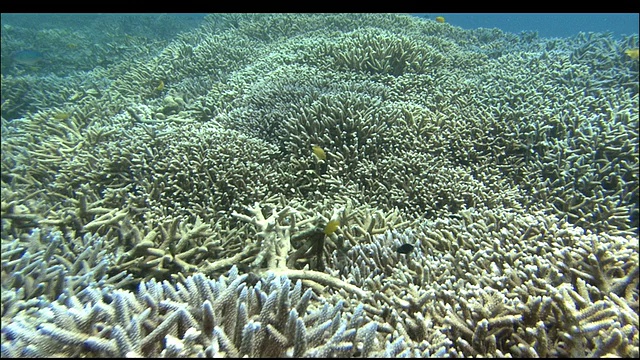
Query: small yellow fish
x=632 y=53
x=61 y=116
x=331 y=227
x=72 y=46
x=440 y=19
x=319 y=153
x=160 y=86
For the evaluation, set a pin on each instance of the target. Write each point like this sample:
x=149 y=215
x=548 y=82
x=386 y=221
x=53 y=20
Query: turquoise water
x=547 y=25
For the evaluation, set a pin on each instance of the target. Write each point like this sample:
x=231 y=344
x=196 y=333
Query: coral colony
x=360 y=185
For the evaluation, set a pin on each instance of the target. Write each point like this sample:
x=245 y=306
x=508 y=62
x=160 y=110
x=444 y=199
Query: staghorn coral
x=285 y=230
x=201 y=317
x=509 y=162
x=41 y=266
x=494 y=297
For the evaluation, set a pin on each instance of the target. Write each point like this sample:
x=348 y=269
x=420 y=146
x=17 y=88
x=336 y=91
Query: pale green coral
x=509 y=162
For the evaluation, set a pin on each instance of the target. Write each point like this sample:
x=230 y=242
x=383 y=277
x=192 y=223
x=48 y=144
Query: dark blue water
x=547 y=25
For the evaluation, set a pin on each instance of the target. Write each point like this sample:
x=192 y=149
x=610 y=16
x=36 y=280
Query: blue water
x=547 y=25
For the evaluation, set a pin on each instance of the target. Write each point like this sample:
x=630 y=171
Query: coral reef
x=166 y=200
x=199 y=317
x=495 y=296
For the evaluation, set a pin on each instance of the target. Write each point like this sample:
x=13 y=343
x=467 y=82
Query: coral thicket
x=170 y=201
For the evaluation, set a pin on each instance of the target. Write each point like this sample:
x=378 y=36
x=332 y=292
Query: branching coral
x=42 y=266
x=201 y=317
x=508 y=162
x=275 y=234
x=466 y=280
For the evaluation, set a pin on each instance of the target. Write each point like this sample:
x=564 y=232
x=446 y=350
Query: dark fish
x=27 y=57
x=404 y=249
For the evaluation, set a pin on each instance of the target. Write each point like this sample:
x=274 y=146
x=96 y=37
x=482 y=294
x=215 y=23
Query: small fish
x=319 y=153
x=440 y=19
x=632 y=53
x=331 y=227
x=404 y=249
x=61 y=116
x=76 y=96
x=160 y=86
x=27 y=57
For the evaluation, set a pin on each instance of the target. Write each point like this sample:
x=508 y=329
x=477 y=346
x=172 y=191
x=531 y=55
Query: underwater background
x=319 y=185
x=545 y=24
